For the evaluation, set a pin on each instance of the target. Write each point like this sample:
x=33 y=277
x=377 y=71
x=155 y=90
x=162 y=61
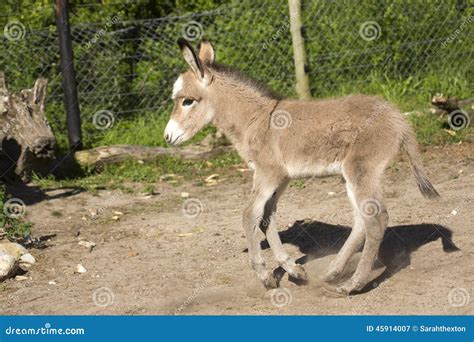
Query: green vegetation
x=430 y=130
x=15 y=228
x=165 y=168
x=130 y=69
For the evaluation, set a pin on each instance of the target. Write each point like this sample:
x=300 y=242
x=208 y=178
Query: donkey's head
x=191 y=94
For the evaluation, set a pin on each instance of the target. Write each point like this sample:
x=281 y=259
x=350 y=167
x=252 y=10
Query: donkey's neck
x=239 y=110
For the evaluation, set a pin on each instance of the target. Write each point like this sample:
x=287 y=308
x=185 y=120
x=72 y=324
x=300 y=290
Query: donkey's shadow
x=318 y=239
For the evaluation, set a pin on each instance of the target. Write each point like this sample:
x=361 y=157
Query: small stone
x=88 y=244
x=115 y=218
x=331 y=193
x=167 y=176
x=454 y=212
x=52 y=282
x=13 y=249
x=28 y=258
x=8 y=265
x=21 y=278
x=184 y=195
x=450 y=132
x=212 y=178
x=185 y=234
x=80 y=269
x=132 y=254
x=118 y=213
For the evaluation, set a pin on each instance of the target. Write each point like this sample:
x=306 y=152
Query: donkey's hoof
x=331 y=275
x=350 y=286
x=298 y=272
x=271 y=281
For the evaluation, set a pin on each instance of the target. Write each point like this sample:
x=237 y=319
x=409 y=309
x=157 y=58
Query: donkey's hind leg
x=353 y=242
x=268 y=226
x=368 y=196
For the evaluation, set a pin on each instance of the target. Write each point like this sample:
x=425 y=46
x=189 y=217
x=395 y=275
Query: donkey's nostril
x=167 y=137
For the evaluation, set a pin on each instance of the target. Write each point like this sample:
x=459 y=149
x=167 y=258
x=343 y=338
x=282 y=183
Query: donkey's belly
x=307 y=169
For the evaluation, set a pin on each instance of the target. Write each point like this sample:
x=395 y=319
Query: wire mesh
x=127 y=67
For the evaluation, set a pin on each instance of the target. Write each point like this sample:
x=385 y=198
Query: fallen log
x=117 y=153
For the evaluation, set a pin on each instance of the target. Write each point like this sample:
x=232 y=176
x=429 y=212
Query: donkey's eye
x=188 y=102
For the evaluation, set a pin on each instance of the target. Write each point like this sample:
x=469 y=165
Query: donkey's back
x=316 y=138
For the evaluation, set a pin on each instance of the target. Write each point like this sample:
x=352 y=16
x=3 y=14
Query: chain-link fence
x=127 y=68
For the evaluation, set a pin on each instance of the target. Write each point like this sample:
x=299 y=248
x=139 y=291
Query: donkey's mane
x=239 y=76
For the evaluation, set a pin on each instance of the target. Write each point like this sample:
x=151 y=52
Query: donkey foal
x=282 y=139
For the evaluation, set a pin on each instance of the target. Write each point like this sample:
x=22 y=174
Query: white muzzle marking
x=174 y=134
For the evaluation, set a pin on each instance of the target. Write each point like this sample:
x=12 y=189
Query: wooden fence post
x=71 y=102
x=299 y=54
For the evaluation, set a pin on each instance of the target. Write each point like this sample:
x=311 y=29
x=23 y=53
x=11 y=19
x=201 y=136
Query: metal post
x=71 y=102
x=299 y=54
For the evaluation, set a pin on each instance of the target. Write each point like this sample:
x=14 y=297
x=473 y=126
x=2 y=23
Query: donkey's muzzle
x=173 y=133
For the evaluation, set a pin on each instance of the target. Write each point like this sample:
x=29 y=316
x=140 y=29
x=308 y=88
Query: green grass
x=146 y=130
x=164 y=168
x=15 y=228
x=430 y=130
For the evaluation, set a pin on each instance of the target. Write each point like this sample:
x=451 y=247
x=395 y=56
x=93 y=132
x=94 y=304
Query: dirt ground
x=153 y=259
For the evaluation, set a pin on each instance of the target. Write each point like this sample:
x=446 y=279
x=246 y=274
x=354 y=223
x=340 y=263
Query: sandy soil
x=153 y=259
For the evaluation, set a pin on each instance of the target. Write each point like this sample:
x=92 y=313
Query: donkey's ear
x=206 y=52
x=191 y=58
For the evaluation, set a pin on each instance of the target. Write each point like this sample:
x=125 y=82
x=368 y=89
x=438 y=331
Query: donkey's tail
x=411 y=146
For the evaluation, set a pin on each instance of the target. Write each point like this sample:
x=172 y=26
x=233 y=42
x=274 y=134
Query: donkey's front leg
x=251 y=218
x=268 y=226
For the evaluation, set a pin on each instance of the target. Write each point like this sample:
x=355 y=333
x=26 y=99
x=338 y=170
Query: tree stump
x=27 y=141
